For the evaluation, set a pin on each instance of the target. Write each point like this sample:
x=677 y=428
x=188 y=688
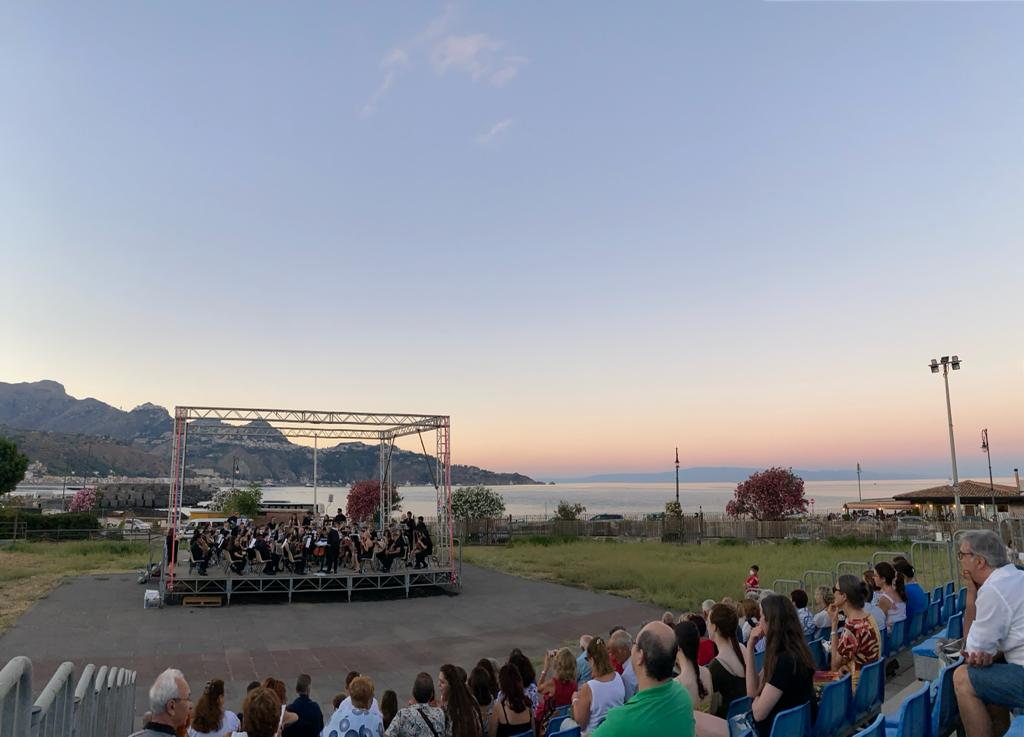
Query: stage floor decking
x=218 y=583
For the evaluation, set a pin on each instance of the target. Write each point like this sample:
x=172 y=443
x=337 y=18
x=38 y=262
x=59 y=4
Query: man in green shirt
x=661 y=706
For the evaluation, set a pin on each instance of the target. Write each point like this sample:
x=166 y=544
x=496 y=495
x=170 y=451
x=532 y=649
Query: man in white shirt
x=621 y=646
x=991 y=681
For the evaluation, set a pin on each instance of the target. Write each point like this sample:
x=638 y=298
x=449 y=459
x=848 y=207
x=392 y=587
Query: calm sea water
x=614 y=498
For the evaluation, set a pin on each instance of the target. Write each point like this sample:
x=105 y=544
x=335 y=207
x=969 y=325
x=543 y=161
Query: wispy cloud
x=495 y=130
x=478 y=56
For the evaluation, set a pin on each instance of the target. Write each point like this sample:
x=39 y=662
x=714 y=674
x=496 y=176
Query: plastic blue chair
x=955 y=627
x=897 y=639
x=820 y=655
x=738 y=707
x=950 y=588
x=948 y=607
x=527 y=733
x=825 y=633
x=571 y=732
x=554 y=724
x=945 y=710
x=867 y=699
x=961 y=599
x=1016 y=727
x=931 y=617
x=875 y=729
x=834 y=708
x=759 y=661
x=793 y=722
x=562 y=711
x=915 y=628
x=914 y=717
x=936 y=595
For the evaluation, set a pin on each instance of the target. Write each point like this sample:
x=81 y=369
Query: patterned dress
x=859 y=643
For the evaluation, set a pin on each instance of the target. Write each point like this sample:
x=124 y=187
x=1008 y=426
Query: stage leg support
x=406 y=585
x=228 y=589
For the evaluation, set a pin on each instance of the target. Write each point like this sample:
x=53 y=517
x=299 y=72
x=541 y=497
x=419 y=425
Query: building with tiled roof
x=976 y=498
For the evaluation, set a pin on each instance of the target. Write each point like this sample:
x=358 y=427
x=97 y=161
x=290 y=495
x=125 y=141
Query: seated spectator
x=728 y=674
x=513 y=713
x=556 y=691
x=694 y=678
x=604 y=690
x=492 y=675
x=278 y=687
x=661 y=706
x=388 y=707
x=991 y=680
x=892 y=598
x=669 y=618
x=749 y=613
x=917 y=599
x=480 y=686
x=526 y=671
x=170 y=705
x=620 y=646
x=705 y=608
x=861 y=641
x=799 y=597
x=459 y=705
x=261 y=713
x=210 y=718
x=706 y=650
x=355 y=714
x=310 y=720
x=874 y=588
x=347 y=701
x=787 y=679
x=822 y=600
x=420 y=719
x=582 y=665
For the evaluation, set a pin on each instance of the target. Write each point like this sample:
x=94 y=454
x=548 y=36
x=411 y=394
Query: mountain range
x=90 y=437
x=731 y=474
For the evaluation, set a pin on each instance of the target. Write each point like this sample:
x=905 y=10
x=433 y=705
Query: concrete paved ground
x=100 y=619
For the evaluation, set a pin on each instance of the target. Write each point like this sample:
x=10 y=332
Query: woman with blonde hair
x=558 y=690
x=605 y=690
x=210 y=718
x=823 y=598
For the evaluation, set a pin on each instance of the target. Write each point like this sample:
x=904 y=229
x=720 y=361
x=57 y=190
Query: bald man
x=661 y=705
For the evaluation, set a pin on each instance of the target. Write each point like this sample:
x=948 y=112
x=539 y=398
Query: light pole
x=677 y=476
x=859 y=497
x=991 y=484
x=946 y=362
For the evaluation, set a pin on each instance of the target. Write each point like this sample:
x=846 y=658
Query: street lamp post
x=677 y=476
x=991 y=484
x=946 y=363
x=860 y=498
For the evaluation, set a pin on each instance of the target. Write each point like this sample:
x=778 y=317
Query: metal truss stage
x=219 y=584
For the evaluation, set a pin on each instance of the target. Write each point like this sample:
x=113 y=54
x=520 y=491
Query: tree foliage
x=13 y=465
x=771 y=494
x=83 y=500
x=673 y=509
x=246 y=501
x=567 y=511
x=364 y=500
x=219 y=500
x=477 y=502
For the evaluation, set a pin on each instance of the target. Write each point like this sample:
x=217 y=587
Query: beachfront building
x=976 y=499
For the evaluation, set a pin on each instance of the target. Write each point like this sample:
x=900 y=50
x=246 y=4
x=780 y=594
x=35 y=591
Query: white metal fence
x=101 y=703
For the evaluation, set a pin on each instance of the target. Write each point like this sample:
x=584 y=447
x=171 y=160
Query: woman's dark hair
x=512 y=688
x=853 y=589
x=523 y=665
x=799 y=597
x=903 y=566
x=892 y=578
x=688 y=639
x=209 y=713
x=277 y=686
x=726 y=622
x=785 y=635
x=699 y=623
x=463 y=714
x=870 y=581
x=388 y=707
x=492 y=675
x=480 y=685
x=597 y=651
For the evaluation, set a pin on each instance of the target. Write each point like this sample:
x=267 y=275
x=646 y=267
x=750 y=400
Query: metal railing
x=102 y=704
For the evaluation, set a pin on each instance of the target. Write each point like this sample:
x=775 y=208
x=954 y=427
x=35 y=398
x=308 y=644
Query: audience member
x=892 y=598
x=861 y=640
x=480 y=686
x=661 y=706
x=210 y=718
x=347 y=701
x=459 y=705
x=991 y=680
x=787 y=679
x=310 y=720
x=799 y=597
x=822 y=599
x=419 y=719
x=355 y=713
x=582 y=665
x=278 y=687
x=668 y=618
x=604 y=690
x=750 y=613
x=917 y=599
x=556 y=691
x=705 y=607
x=694 y=678
x=170 y=705
x=706 y=650
x=261 y=713
x=620 y=646
x=513 y=712
x=487 y=665
x=388 y=707
x=728 y=675
x=526 y=671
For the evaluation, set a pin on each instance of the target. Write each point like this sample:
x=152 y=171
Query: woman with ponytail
x=210 y=718
x=893 y=596
x=728 y=678
x=694 y=678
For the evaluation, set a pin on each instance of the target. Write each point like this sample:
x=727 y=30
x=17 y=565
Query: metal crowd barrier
x=101 y=704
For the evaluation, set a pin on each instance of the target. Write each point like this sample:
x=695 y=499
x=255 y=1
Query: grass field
x=673 y=576
x=30 y=570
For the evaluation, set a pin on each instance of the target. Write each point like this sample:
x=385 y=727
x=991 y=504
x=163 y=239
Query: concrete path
x=100 y=619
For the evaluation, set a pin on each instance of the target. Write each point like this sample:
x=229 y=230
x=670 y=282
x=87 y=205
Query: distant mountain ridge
x=89 y=436
x=730 y=474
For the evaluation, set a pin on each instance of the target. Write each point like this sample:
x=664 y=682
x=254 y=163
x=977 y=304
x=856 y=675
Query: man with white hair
x=705 y=607
x=620 y=645
x=582 y=666
x=991 y=680
x=170 y=705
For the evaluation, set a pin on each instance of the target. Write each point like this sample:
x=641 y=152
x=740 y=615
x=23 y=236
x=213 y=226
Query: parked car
x=137 y=525
x=606 y=518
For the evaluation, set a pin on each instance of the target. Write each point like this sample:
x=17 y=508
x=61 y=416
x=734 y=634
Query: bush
x=545 y=541
x=65 y=521
x=477 y=502
x=733 y=542
x=569 y=512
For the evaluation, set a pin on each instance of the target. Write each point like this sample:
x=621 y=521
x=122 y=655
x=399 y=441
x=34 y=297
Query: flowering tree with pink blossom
x=364 y=500
x=83 y=500
x=771 y=494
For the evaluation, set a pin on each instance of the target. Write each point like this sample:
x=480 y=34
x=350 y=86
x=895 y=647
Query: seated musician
x=395 y=550
x=200 y=551
x=237 y=552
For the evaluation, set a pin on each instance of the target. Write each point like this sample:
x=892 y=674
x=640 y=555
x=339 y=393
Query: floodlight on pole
x=946 y=363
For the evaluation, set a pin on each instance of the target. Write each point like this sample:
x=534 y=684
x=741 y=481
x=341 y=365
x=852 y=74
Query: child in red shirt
x=753 y=582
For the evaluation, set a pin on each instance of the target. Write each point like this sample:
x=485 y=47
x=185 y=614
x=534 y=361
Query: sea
x=608 y=498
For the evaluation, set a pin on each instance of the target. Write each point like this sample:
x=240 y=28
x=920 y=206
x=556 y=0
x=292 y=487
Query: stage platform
x=218 y=583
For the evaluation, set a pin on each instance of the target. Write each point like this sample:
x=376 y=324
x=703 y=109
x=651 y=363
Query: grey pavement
x=101 y=620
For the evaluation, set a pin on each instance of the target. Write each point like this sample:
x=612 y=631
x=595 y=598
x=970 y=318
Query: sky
x=590 y=233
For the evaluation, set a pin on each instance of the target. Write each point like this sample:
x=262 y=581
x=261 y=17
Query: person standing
x=311 y=718
x=753 y=582
x=333 y=547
